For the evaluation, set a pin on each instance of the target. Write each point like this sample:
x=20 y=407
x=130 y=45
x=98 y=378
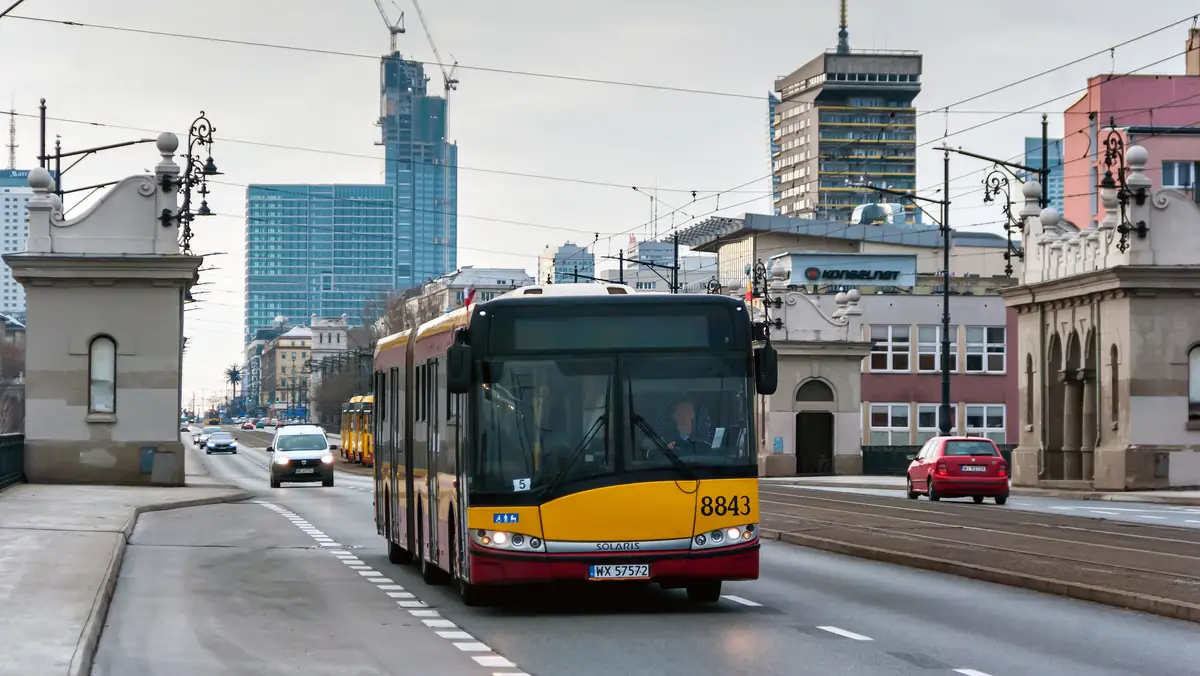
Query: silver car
x=300 y=455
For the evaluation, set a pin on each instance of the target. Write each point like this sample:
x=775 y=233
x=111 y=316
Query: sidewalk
x=896 y=483
x=60 y=551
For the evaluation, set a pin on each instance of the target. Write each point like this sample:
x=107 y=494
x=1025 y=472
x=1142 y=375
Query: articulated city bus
x=575 y=432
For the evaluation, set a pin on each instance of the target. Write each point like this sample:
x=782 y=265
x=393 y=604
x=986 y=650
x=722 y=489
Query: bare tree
x=329 y=395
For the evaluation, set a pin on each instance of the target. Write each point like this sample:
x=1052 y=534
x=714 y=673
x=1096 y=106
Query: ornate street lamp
x=1114 y=158
x=194 y=175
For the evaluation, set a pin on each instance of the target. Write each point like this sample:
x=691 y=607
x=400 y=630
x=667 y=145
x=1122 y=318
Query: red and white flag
x=470 y=297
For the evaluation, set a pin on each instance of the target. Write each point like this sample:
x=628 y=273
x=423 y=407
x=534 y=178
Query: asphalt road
x=1131 y=512
x=185 y=605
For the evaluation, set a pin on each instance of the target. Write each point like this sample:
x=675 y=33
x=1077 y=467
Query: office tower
x=845 y=118
x=14 y=218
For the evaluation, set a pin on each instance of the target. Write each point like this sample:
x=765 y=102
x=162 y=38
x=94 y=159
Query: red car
x=247 y=425
x=959 y=467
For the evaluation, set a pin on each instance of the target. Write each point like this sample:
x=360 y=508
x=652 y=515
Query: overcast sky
x=327 y=105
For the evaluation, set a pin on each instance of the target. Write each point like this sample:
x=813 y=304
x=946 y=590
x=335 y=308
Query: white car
x=300 y=453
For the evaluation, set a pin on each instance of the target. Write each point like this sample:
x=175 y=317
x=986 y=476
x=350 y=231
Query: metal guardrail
x=12 y=459
x=893 y=460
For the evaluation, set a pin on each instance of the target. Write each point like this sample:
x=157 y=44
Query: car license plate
x=620 y=572
x=974 y=468
x=305 y=471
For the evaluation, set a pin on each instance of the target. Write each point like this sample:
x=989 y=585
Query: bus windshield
x=545 y=422
x=536 y=415
x=699 y=407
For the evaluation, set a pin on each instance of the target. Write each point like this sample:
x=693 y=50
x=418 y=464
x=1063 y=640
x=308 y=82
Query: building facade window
x=102 y=375
x=929 y=349
x=890 y=348
x=1194 y=383
x=1179 y=175
x=928 y=425
x=985 y=349
x=890 y=425
x=986 y=420
x=1114 y=399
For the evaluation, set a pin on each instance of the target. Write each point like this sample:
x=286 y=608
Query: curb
x=1178 y=610
x=1134 y=496
x=89 y=639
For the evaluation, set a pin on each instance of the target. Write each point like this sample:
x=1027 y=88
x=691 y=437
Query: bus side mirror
x=766 y=369
x=458 y=368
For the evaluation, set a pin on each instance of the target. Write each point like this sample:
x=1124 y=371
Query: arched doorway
x=814 y=428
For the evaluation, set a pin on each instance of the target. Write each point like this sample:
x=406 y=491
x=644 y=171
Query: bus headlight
x=725 y=537
x=512 y=542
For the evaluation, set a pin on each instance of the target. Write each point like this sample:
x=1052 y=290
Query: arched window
x=814 y=390
x=1194 y=383
x=1114 y=389
x=102 y=375
x=1029 y=389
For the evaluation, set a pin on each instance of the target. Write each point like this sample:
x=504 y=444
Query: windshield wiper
x=662 y=446
x=575 y=454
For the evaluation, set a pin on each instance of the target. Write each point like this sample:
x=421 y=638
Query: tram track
x=1152 y=568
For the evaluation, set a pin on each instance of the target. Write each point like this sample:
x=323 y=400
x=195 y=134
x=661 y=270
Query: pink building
x=1158 y=112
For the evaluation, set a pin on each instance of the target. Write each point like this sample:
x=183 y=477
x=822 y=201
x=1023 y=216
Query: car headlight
x=725 y=537
x=281 y=459
x=513 y=542
x=327 y=459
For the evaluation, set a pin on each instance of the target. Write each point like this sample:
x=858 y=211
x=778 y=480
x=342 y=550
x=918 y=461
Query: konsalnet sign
x=853 y=270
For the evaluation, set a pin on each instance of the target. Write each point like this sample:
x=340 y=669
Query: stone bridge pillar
x=105 y=333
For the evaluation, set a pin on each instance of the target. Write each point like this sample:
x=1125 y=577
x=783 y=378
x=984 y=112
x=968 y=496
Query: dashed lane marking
x=744 y=602
x=846 y=634
x=970 y=672
x=481 y=653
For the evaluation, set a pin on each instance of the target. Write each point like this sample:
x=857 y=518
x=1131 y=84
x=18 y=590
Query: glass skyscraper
x=333 y=249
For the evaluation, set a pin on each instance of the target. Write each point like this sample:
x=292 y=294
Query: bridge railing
x=12 y=459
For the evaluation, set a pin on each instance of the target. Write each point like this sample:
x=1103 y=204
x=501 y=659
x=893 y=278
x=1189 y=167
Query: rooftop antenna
x=12 y=135
x=843 y=34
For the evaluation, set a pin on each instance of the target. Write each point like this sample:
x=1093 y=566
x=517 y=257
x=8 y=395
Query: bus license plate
x=620 y=572
x=305 y=471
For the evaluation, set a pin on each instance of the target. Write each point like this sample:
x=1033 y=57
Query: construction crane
x=449 y=82
x=394 y=29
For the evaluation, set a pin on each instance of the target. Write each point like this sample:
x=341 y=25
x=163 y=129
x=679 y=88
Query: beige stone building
x=286 y=372
x=104 y=350
x=1109 y=334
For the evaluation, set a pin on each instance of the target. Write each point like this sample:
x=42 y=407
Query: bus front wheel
x=471 y=594
x=704 y=592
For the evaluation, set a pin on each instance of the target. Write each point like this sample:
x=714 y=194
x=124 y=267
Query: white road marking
x=970 y=672
x=738 y=599
x=1191 y=520
x=1105 y=512
x=493 y=661
x=1147 y=516
x=444 y=628
x=846 y=634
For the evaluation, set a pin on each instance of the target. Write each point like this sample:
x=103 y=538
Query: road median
x=1149 y=569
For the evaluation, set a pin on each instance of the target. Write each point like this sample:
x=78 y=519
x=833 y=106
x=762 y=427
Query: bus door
x=395 y=444
x=434 y=450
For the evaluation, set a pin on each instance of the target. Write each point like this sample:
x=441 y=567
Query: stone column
x=1088 y=438
x=1072 y=425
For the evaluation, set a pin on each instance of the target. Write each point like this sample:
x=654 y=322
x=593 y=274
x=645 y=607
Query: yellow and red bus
x=573 y=432
x=364 y=452
x=349 y=434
